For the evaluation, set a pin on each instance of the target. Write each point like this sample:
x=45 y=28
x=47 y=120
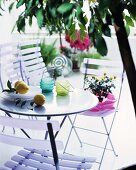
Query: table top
x=76 y=102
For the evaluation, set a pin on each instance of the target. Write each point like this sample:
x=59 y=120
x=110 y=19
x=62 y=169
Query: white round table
x=76 y=102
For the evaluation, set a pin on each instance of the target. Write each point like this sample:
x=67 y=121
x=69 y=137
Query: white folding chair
x=13 y=66
x=113 y=68
x=31 y=61
x=9 y=64
x=39 y=153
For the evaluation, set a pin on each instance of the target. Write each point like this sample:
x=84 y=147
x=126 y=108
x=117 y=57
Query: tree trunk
x=125 y=52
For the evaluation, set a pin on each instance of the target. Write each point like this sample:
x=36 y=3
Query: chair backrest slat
x=31 y=42
x=30 y=50
x=103 y=62
x=32 y=61
x=8 y=57
x=37 y=72
x=35 y=67
x=28 y=124
x=28 y=143
x=99 y=66
x=31 y=56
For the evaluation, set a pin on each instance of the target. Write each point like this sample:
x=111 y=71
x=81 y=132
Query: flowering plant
x=100 y=86
x=78 y=43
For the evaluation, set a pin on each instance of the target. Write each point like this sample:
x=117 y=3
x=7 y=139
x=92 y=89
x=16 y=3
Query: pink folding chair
x=104 y=109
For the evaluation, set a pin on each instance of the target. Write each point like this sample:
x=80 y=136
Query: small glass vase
x=47 y=82
x=63 y=86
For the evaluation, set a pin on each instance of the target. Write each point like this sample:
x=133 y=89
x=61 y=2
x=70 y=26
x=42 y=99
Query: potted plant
x=100 y=86
x=48 y=52
x=78 y=45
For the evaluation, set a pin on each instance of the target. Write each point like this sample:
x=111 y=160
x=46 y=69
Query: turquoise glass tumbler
x=47 y=84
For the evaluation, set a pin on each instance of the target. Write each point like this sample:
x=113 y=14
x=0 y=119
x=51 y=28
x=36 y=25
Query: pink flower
x=78 y=44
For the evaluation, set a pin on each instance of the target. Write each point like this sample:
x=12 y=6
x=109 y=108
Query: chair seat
x=29 y=159
x=100 y=113
x=103 y=108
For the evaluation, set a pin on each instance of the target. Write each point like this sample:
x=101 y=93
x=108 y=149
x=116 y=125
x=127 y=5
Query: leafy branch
x=10 y=88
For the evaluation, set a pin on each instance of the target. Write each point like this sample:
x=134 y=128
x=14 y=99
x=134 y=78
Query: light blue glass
x=47 y=84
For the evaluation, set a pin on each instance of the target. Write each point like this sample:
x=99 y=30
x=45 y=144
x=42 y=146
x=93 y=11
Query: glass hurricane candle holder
x=63 y=87
x=47 y=82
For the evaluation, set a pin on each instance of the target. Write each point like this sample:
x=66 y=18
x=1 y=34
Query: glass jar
x=62 y=87
x=47 y=81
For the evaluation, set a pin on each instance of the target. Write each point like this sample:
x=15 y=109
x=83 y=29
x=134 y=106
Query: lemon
x=18 y=82
x=22 y=88
x=39 y=99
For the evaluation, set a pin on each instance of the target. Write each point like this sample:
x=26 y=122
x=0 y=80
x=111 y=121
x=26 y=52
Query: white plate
x=33 y=90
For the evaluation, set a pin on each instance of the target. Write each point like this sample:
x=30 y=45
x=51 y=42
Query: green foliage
x=65 y=7
x=100 y=44
x=60 y=16
x=9 y=89
x=40 y=18
x=28 y=46
x=48 y=51
x=11 y=6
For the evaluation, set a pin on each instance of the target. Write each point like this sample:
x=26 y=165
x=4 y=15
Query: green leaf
x=40 y=18
x=6 y=90
x=9 y=85
x=20 y=3
x=23 y=103
x=73 y=34
x=106 y=30
x=80 y=16
x=82 y=31
x=18 y=101
x=108 y=19
x=91 y=28
x=100 y=45
x=53 y=12
x=127 y=29
x=21 y=24
x=11 y=6
x=2 y=8
x=65 y=7
x=79 y=12
x=12 y=90
x=30 y=21
x=32 y=103
x=104 y=4
x=129 y=21
x=29 y=4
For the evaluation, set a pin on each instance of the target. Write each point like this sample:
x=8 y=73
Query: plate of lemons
x=21 y=91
